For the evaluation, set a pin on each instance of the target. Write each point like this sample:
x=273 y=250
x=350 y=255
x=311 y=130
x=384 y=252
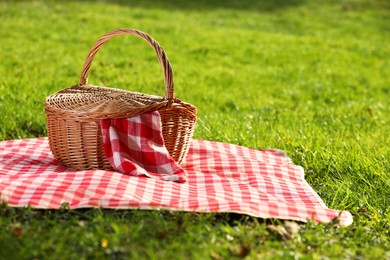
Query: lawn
x=309 y=77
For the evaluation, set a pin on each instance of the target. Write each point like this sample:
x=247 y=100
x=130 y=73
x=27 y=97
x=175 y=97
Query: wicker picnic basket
x=74 y=114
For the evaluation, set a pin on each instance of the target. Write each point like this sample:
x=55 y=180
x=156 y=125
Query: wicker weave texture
x=74 y=114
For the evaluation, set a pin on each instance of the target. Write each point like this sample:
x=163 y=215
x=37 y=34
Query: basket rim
x=73 y=113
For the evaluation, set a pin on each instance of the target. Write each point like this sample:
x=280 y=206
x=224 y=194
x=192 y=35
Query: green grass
x=309 y=77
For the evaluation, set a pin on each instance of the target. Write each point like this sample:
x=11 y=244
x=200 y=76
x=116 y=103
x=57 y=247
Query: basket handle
x=161 y=56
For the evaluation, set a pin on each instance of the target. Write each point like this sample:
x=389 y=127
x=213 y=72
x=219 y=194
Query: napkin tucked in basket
x=135 y=146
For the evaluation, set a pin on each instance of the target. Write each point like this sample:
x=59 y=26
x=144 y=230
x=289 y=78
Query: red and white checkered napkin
x=220 y=178
x=135 y=146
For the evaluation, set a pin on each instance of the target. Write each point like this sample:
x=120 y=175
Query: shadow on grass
x=252 y=5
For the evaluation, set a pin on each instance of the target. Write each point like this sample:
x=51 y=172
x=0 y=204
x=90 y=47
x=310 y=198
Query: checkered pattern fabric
x=135 y=146
x=220 y=178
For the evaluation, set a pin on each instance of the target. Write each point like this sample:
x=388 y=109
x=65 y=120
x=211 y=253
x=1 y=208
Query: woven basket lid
x=95 y=102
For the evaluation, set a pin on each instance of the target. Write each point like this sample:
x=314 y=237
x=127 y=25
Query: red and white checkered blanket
x=220 y=178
